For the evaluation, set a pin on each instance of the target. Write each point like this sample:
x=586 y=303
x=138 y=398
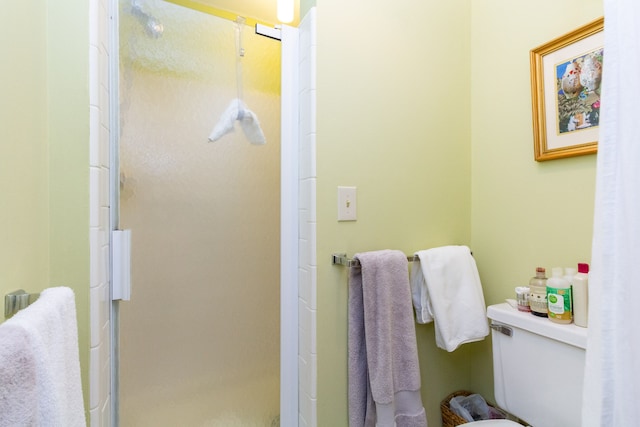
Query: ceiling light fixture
x=285 y=11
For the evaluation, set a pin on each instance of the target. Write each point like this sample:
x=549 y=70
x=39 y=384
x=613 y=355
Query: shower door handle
x=121 y=265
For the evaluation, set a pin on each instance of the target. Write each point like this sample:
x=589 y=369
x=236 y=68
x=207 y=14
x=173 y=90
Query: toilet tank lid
x=570 y=334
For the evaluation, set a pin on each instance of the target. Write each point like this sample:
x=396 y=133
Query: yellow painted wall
x=44 y=126
x=24 y=210
x=393 y=102
x=426 y=108
x=524 y=213
x=68 y=140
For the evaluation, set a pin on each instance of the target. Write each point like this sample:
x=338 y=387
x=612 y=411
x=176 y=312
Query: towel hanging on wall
x=446 y=289
x=384 y=374
x=39 y=364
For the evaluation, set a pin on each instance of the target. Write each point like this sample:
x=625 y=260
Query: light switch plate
x=347 y=204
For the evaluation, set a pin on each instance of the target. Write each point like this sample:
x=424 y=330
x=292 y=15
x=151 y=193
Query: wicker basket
x=451 y=419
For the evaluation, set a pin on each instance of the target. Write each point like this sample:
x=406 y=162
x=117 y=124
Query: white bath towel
x=39 y=364
x=18 y=388
x=446 y=288
x=384 y=374
x=237 y=110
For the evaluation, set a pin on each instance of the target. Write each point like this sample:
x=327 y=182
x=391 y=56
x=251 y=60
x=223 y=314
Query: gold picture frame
x=566 y=74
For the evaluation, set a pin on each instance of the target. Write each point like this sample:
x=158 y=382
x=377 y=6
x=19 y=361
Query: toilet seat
x=494 y=423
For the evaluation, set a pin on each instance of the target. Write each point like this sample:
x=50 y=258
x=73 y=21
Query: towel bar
x=342 y=259
x=16 y=301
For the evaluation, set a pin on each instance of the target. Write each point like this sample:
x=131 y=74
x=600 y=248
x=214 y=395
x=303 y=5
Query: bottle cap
x=569 y=271
x=556 y=272
x=583 y=268
x=540 y=270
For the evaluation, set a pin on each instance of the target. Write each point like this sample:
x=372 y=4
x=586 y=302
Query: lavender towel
x=384 y=374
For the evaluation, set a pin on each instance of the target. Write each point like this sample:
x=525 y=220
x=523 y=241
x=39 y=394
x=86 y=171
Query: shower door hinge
x=121 y=265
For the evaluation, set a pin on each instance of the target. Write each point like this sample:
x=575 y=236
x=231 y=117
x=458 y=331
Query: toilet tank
x=538 y=369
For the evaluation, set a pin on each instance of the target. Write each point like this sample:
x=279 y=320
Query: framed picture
x=566 y=74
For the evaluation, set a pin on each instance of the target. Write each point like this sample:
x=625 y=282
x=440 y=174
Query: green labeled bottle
x=559 y=297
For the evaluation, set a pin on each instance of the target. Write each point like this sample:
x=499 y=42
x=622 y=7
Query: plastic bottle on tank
x=559 y=297
x=581 y=296
x=569 y=272
x=538 y=293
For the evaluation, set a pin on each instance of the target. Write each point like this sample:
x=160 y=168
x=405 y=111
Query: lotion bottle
x=581 y=296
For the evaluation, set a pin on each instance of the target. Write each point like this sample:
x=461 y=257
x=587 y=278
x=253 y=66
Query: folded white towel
x=446 y=288
x=39 y=364
x=251 y=127
x=226 y=121
x=237 y=110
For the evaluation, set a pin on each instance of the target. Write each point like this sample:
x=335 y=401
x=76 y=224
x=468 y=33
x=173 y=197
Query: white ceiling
x=262 y=10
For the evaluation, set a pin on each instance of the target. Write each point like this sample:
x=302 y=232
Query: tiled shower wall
x=99 y=365
x=307 y=354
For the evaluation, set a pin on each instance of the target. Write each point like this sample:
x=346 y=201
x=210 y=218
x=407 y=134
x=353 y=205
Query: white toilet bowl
x=493 y=423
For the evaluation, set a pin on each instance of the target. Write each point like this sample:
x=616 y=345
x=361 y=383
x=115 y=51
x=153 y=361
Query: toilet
x=538 y=369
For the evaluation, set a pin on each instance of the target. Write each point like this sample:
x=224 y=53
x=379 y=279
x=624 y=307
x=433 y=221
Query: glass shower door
x=199 y=340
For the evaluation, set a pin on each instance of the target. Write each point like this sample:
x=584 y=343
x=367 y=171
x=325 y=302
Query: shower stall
x=199 y=341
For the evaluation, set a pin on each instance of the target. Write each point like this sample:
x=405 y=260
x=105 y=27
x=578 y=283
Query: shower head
x=152 y=26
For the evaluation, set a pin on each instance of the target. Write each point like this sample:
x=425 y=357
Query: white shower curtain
x=612 y=375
